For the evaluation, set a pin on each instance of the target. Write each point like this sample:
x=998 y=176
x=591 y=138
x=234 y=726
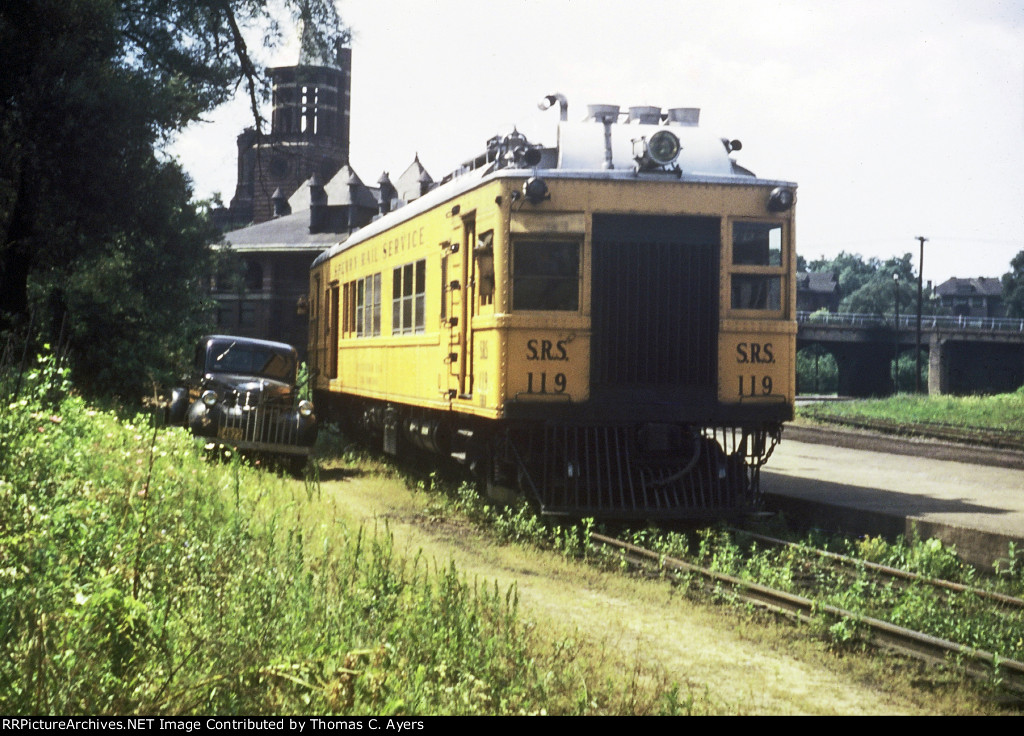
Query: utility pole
x=920 y=296
x=896 y=332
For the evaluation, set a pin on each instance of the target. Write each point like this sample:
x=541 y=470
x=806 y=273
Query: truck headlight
x=209 y=397
x=306 y=408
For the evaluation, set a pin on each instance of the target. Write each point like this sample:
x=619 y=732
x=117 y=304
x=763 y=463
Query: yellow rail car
x=606 y=326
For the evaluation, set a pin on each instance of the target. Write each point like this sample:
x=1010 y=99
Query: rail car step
x=459 y=457
x=466 y=434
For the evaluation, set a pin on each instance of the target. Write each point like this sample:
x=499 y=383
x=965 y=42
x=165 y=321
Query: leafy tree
x=867 y=286
x=1013 y=287
x=98 y=236
x=877 y=293
x=816 y=371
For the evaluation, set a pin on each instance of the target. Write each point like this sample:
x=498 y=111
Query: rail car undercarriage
x=623 y=471
x=637 y=471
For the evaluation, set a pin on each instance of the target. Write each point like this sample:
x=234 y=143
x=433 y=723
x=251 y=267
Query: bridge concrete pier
x=864 y=369
x=956 y=366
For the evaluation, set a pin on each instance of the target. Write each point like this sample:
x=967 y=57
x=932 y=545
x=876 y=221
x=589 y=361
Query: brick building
x=296 y=196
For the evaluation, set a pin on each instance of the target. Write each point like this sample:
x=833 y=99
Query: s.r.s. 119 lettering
x=754 y=353
x=541 y=382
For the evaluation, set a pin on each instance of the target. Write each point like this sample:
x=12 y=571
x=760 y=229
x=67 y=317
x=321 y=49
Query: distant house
x=978 y=297
x=817 y=290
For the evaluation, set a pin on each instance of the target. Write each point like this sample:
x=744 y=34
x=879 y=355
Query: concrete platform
x=868 y=484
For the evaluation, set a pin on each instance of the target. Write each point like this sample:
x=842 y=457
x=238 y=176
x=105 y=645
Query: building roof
x=291 y=232
x=824 y=282
x=980 y=286
x=288 y=233
x=413 y=182
x=345 y=187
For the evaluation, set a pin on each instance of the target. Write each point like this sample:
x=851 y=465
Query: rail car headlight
x=306 y=408
x=209 y=397
x=663 y=148
x=659 y=151
x=535 y=190
x=781 y=199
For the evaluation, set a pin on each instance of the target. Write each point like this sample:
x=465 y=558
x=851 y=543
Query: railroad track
x=1003 y=439
x=931 y=649
x=893 y=572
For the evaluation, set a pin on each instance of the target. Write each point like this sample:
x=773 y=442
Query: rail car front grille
x=655 y=301
x=605 y=471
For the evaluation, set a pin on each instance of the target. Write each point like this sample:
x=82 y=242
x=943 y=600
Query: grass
x=138 y=577
x=958 y=617
x=1002 y=411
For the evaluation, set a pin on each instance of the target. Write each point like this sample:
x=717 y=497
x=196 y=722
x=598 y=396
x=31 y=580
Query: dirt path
x=721 y=659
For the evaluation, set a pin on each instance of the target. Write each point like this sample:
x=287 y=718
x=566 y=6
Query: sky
x=896 y=118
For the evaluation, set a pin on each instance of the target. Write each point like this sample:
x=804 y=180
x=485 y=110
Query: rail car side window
x=483 y=251
x=408 y=303
x=546 y=275
x=368 y=306
x=757 y=266
x=348 y=309
x=756 y=292
x=756 y=244
x=334 y=322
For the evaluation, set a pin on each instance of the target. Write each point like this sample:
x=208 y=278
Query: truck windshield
x=255 y=360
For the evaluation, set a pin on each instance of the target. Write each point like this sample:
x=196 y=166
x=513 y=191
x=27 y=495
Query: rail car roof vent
x=603 y=113
x=688 y=116
x=645 y=115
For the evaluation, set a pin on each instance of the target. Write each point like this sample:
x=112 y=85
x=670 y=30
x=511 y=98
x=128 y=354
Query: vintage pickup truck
x=242 y=392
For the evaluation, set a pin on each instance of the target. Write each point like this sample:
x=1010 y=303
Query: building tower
x=309 y=134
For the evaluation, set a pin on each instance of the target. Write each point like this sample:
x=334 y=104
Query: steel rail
x=890 y=571
x=978 y=663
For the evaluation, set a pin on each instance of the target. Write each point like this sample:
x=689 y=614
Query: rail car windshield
x=546 y=275
x=247 y=359
x=757 y=266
